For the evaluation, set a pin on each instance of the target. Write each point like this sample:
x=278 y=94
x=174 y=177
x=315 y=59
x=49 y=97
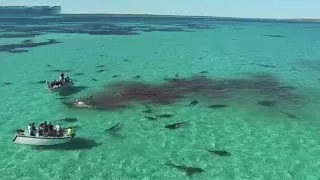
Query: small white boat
x=59 y=87
x=40 y=141
x=21 y=138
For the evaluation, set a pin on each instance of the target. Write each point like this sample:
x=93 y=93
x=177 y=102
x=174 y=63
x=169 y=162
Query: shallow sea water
x=276 y=142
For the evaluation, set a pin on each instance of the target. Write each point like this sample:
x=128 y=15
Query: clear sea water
x=265 y=142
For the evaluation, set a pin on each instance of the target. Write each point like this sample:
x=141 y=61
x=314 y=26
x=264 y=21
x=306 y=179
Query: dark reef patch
x=160 y=29
x=19 y=35
x=14 y=47
x=121 y=94
x=194 y=26
x=274 y=36
x=101 y=25
x=16 y=51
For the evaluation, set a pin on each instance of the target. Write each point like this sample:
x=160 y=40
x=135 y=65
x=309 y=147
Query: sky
x=281 y=9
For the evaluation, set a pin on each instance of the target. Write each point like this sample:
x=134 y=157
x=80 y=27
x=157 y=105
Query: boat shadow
x=72 y=90
x=75 y=144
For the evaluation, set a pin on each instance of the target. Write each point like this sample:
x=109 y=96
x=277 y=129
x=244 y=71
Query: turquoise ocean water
x=279 y=141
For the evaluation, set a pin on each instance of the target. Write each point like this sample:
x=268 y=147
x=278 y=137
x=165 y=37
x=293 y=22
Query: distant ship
x=25 y=11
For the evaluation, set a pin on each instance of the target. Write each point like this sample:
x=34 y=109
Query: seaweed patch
x=274 y=36
x=5 y=84
x=19 y=35
x=16 y=47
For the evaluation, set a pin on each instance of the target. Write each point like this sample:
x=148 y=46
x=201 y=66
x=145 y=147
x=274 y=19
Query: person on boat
x=29 y=129
x=45 y=126
x=50 y=128
x=69 y=131
x=33 y=129
x=61 y=77
x=40 y=129
x=58 y=128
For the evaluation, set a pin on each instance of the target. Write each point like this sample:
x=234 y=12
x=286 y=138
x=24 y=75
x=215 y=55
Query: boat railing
x=44 y=137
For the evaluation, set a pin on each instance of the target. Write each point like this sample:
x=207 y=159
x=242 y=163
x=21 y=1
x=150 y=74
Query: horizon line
x=192 y=16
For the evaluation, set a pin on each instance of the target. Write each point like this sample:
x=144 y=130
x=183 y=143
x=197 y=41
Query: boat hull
x=40 y=141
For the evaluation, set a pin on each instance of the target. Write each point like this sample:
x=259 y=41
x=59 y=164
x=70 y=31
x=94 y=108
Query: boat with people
x=44 y=135
x=60 y=84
